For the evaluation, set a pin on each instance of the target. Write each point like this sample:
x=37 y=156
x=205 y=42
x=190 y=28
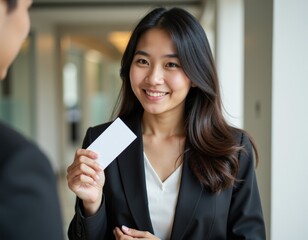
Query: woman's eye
x=172 y=65
x=142 y=61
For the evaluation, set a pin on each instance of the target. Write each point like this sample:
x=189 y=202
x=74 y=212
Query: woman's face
x=14 y=28
x=156 y=75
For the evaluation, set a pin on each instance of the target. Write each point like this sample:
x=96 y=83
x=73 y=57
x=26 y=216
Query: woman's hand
x=126 y=233
x=86 y=179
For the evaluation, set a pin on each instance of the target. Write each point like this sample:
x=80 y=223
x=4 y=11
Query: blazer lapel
x=188 y=199
x=131 y=165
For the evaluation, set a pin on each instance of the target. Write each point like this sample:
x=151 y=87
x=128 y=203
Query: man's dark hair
x=11 y=4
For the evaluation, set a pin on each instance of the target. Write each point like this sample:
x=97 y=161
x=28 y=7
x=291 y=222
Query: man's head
x=14 y=28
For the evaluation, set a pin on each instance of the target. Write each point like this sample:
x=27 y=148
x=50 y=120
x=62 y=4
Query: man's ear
x=3 y=11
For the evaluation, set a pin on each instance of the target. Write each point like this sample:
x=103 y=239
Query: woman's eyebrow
x=172 y=55
x=139 y=52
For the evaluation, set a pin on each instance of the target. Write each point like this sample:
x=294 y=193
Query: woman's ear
x=193 y=85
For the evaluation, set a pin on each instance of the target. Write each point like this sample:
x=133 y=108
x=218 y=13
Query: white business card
x=112 y=142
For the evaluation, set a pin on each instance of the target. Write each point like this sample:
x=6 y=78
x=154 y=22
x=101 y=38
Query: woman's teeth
x=156 y=94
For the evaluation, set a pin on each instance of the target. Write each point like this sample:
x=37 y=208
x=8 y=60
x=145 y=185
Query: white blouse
x=162 y=199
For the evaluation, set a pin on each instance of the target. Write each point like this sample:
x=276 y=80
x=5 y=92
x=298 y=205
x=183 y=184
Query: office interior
x=66 y=78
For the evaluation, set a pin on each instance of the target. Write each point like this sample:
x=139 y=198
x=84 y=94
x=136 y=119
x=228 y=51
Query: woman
x=188 y=175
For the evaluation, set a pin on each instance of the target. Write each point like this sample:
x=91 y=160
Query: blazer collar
x=188 y=199
x=133 y=179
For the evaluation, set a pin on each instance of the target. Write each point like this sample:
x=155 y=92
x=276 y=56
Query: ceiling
x=91 y=21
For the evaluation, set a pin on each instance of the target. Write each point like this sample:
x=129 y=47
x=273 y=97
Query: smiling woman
x=188 y=175
x=156 y=76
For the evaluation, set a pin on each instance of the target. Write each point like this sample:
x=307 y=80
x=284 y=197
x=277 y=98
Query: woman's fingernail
x=124 y=228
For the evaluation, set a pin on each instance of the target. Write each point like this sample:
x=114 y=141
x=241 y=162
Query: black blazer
x=29 y=204
x=235 y=213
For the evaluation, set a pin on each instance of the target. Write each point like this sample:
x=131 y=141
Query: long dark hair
x=211 y=142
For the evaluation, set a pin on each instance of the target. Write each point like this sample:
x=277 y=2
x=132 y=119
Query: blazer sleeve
x=88 y=228
x=245 y=216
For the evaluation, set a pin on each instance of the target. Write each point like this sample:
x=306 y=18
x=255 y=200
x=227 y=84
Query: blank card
x=112 y=142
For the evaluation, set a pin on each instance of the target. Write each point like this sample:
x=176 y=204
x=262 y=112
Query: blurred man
x=29 y=206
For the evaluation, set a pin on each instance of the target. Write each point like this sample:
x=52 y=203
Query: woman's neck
x=162 y=126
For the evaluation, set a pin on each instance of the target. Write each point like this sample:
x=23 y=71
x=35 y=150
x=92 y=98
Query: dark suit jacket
x=232 y=214
x=29 y=207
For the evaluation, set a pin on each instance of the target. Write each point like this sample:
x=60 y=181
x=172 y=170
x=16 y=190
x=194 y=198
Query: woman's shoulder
x=93 y=132
x=242 y=137
x=246 y=158
x=100 y=128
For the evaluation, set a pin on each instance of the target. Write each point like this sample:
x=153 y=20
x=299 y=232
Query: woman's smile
x=155 y=94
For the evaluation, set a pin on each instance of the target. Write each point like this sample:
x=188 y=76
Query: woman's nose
x=155 y=76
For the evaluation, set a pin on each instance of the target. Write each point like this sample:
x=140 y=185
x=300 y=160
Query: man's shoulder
x=12 y=142
x=9 y=136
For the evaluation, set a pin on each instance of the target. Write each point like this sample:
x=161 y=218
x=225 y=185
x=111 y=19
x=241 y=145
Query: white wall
x=229 y=57
x=48 y=94
x=290 y=121
x=276 y=111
